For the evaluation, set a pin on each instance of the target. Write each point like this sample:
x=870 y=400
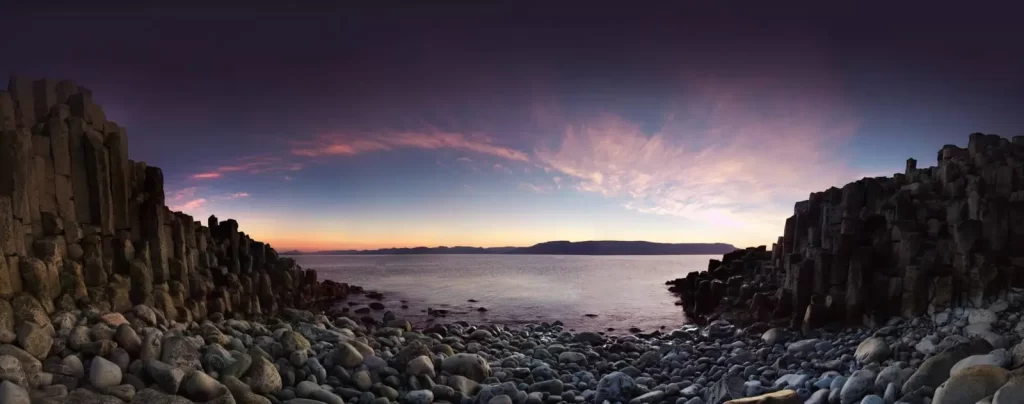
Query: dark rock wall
x=82 y=224
x=916 y=243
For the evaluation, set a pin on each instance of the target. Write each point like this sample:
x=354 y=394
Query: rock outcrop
x=918 y=243
x=83 y=225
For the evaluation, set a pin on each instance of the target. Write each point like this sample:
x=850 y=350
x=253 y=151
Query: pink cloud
x=206 y=176
x=346 y=144
x=237 y=195
x=251 y=165
x=737 y=154
x=189 y=205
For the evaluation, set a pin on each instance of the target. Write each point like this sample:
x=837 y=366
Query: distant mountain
x=413 y=250
x=553 y=248
x=625 y=248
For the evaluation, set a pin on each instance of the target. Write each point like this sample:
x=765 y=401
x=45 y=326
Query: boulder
x=778 y=397
x=970 y=385
x=11 y=393
x=999 y=357
x=35 y=340
x=104 y=373
x=615 y=387
x=263 y=376
x=871 y=350
x=469 y=365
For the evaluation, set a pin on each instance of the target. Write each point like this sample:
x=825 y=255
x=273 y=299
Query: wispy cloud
x=192 y=198
x=349 y=144
x=251 y=165
x=730 y=156
x=540 y=189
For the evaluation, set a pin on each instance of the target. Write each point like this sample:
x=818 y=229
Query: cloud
x=206 y=176
x=189 y=205
x=251 y=165
x=464 y=160
x=540 y=189
x=237 y=195
x=737 y=155
x=349 y=144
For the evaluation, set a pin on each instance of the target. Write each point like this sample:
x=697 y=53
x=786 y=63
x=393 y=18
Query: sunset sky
x=366 y=128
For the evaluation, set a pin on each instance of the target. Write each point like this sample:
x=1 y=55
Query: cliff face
x=82 y=224
x=916 y=243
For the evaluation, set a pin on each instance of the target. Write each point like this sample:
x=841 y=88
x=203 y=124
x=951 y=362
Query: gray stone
x=615 y=387
x=873 y=349
x=201 y=387
x=150 y=396
x=181 y=352
x=168 y=377
x=421 y=365
x=858 y=385
x=1010 y=393
x=10 y=369
x=263 y=376
x=418 y=397
x=11 y=393
x=104 y=373
x=472 y=366
x=999 y=357
x=970 y=385
x=346 y=356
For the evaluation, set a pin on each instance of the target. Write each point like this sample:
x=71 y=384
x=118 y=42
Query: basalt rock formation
x=917 y=243
x=81 y=224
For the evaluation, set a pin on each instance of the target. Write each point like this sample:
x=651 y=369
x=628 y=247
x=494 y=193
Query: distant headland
x=606 y=247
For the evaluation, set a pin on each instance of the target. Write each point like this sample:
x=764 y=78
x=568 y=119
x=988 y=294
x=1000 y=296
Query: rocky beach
x=899 y=290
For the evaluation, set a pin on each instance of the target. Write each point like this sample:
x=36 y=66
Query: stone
x=263 y=376
x=201 y=387
x=970 y=385
x=168 y=377
x=34 y=340
x=127 y=338
x=11 y=393
x=418 y=397
x=104 y=373
x=361 y=380
x=181 y=352
x=935 y=370
x=472 y=366
x=150 y=396
x=615 y=387
x=86 y=396
x=1010 y=393
x=591 y=338
x=775 y=336
x=41 y=280
x=858 y=385
x=10 y=369
x=999 y=357
x=871 y=350
x=421 y=365
x=346 y=355
x=778 y=397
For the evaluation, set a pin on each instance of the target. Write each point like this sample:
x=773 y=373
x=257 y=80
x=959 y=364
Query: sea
x=586 y=293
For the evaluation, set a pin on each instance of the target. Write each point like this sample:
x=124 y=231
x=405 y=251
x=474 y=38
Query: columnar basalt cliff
x=82 y=224
x=916 y=243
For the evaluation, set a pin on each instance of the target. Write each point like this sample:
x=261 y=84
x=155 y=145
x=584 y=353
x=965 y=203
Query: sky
x=341 y=127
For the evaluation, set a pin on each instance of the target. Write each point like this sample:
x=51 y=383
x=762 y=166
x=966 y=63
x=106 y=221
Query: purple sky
x=343 y=127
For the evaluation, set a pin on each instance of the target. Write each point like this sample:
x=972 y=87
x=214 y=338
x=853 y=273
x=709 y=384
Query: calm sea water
x=623 y=291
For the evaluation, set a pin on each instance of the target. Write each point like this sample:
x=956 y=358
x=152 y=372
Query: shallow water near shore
x=623 y=291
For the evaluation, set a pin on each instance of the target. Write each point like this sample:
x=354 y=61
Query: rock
x=778 y=397
x=263 y=376
x=181 y=352
x=728 y=388
x=859 y=384
x=10 y=369
x=500 y=399
x=935 y=370
x=1010 y=393
x=201 y=387
x=34 y=340
x=472 y=366
x=293 y=341
x=126 y=338
x=29 y=363
x=572 y=357
x=346 y=356
x=1017 y=356
x=872 y=399
x=803 y=346
x=362 y=380
x=418 y=397
x=168 y=377
x=775 y=336
x=970 y=385
x=89 y=397
x=981 y=316
x=104 y=373
x=113 y=319
x=999 y=357
x=125 y=392
x=420 y=365
x=150 y=396
x=591 y=338
x=615 y=387
x=11 y=393
x=871 y=350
